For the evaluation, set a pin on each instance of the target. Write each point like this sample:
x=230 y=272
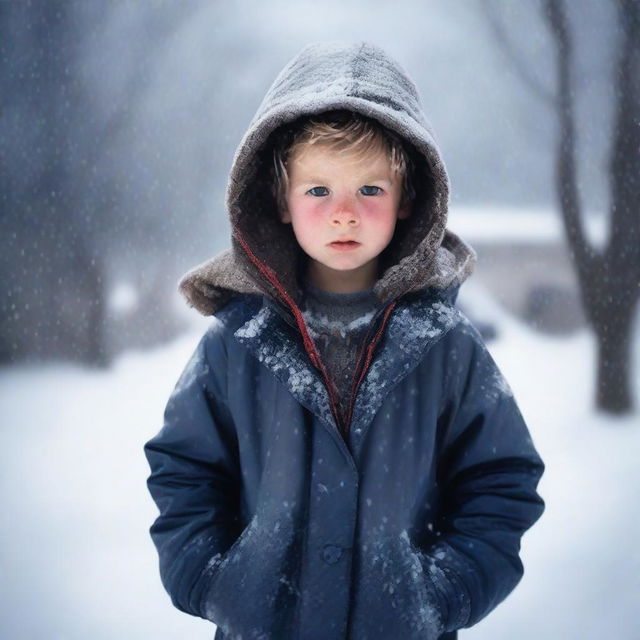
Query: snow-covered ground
x=77 y=562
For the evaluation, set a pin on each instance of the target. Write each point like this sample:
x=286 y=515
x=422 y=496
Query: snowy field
x=77 y=561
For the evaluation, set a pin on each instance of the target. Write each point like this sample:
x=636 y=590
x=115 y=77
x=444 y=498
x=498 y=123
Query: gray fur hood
x=264 y=257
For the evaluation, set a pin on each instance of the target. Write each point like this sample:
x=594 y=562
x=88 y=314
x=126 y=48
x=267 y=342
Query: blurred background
x=118 y=124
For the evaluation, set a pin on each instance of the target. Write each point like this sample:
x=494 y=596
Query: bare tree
x=57 y=200
x=608 y=278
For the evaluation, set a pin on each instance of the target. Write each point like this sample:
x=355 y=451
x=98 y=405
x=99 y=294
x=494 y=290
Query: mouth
x=344 y=245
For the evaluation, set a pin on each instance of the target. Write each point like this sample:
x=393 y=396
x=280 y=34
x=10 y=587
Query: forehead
x=321 y=159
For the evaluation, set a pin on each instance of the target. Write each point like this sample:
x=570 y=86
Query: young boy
x=341 y=457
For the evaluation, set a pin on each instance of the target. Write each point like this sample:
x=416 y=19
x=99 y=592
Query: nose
x=344 y=215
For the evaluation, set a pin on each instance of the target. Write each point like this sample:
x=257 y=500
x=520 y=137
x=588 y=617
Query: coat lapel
x=279 y=347
x=414 y=327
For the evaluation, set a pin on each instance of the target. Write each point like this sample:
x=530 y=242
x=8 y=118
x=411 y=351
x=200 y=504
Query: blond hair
x=342 y=132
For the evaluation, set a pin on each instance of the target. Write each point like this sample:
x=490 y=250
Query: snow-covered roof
x=509 y=224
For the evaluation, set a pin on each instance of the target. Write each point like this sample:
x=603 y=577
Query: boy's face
x=343 y=211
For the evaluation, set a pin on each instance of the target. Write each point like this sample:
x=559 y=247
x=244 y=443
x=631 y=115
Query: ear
x=404 y=211
x=285 y=216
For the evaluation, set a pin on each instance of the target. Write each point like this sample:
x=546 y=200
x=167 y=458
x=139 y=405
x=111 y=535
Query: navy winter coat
x=279 y=519
x=273 y=525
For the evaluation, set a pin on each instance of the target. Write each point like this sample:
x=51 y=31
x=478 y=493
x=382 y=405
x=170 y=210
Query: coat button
x=331 y=553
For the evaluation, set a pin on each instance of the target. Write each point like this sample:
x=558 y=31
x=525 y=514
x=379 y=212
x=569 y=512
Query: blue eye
x=314 y=191
x=370 y=191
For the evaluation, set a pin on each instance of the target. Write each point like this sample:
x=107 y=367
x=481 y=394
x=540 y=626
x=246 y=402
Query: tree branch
x=624 y=242
x=513 y=56
x=554 y=13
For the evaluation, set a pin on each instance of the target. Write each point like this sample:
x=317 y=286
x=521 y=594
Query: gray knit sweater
x=338 y=324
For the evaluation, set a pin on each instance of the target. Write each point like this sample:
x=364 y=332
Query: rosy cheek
x=373 y=209
x=310 y=209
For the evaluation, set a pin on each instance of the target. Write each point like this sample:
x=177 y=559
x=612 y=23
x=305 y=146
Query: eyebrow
x=318 y=180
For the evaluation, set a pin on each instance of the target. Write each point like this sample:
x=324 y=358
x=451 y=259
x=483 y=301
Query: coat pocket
x=395 y=598
x=253 y=587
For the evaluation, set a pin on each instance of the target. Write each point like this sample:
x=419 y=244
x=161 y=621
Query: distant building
x=523 y=261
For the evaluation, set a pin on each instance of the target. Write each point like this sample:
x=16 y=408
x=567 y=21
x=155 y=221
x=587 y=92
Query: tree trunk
x=614 y=393
x=96 y=353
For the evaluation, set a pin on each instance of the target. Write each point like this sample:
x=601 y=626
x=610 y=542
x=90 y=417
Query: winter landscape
x=121 y=119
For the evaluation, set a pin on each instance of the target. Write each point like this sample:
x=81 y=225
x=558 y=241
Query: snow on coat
x=278 y=520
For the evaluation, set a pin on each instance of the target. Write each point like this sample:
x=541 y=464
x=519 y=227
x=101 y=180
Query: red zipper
x=310 y=348
x=309 y=345
x=357 y=379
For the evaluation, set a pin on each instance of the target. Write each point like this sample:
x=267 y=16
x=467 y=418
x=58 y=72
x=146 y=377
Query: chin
x=342 y=268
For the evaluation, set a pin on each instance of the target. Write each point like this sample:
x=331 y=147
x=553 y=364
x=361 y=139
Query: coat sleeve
x=488 y=473
x=195 y=477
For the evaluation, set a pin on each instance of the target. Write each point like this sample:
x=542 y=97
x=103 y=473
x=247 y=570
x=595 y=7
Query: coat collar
x=416 y=324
